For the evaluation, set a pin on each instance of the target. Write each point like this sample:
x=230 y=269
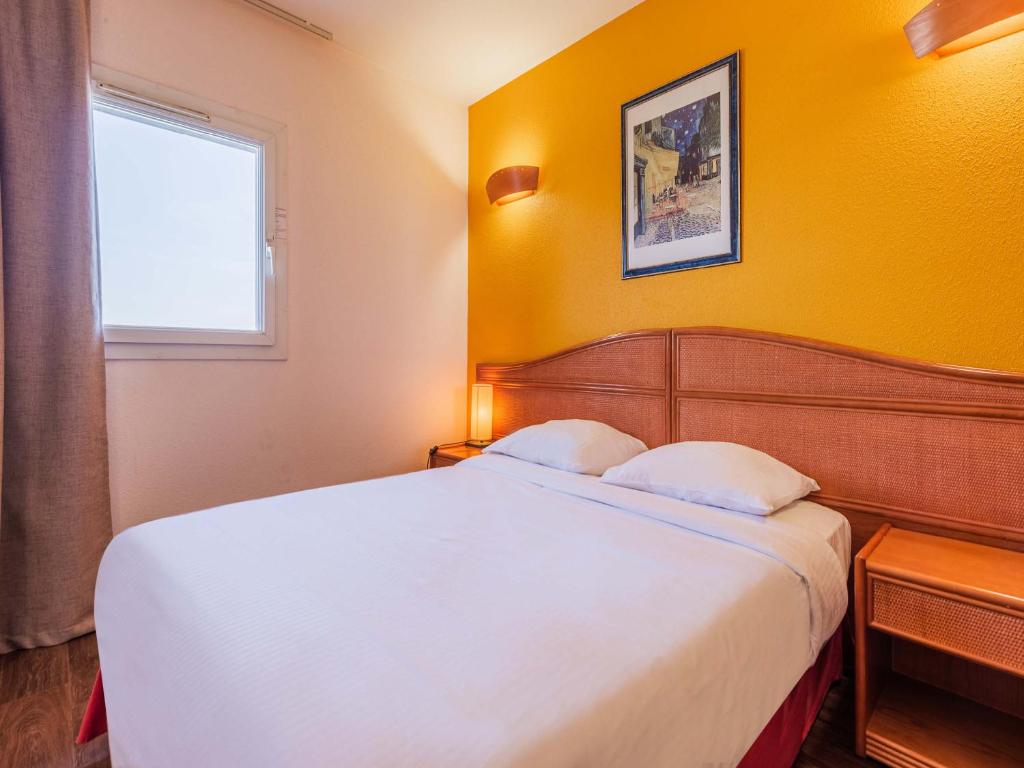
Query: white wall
x=377 y=273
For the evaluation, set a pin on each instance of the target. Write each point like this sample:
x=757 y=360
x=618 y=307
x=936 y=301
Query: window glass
x=180 y=224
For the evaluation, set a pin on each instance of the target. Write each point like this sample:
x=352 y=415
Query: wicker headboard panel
x=621 y=380
x=925 y=446
x=921 y=445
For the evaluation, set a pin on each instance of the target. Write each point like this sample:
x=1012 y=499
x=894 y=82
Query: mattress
x=494 y=613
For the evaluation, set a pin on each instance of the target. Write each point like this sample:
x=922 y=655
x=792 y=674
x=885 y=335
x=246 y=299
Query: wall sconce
x=512 y=183
x=480 y=415
x=950 y=26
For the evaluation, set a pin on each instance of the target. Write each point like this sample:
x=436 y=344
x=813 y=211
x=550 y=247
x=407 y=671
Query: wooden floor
x=42 y=698
x=830 y=742
x=43 y=694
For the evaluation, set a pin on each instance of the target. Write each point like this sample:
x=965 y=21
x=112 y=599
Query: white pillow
x=575 y=445
x=717 y=474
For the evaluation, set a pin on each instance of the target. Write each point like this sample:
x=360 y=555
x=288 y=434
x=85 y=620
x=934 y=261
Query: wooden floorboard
x=43 y=694
x=34 y=729
x=830 y=742
x=42 y=697
x=27 y=672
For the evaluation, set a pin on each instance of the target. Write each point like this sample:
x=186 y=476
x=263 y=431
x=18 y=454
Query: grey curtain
x=55 y=505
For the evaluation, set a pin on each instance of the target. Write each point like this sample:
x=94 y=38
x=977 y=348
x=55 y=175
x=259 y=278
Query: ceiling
x=463 y=49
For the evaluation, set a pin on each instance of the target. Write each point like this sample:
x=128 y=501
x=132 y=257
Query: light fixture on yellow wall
x=512 y=183
x=945 y=27
x=480 y=415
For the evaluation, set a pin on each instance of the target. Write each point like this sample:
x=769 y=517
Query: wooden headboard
x=925 y=446
x=623 y=380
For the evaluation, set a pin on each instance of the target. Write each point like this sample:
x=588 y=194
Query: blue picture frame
x=677 y=214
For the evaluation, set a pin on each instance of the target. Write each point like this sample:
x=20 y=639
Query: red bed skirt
x=780 y=741
x=94 y=722
x=776 y=747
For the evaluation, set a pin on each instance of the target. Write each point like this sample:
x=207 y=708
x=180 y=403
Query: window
x=186 y=213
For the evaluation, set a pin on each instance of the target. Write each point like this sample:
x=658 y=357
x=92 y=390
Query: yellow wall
x=882 y=196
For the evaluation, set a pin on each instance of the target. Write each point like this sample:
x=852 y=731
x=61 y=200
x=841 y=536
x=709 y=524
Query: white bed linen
x=494 y=613
x=826 y=523
x=814 y=518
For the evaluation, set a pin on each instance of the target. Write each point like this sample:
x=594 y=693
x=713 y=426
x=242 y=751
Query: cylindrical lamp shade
x=480 y=414
x=950 y=26
x=512 y=183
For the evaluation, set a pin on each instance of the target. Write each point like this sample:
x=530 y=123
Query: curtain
x=54 y=497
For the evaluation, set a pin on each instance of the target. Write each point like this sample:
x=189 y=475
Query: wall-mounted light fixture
x=512 y=183
x=950 y=26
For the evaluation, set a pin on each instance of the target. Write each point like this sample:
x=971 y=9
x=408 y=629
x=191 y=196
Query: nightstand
x=451 y=453
x=949 y=612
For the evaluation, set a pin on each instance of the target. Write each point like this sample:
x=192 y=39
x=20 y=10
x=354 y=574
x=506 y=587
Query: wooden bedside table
x=451 y=453
x=951 y=613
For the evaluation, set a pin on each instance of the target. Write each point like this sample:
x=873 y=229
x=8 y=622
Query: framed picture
x=681 y=173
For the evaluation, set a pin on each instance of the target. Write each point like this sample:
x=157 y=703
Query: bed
x=502 y=613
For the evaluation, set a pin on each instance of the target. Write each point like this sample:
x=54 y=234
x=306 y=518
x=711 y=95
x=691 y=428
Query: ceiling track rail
x=291 y=18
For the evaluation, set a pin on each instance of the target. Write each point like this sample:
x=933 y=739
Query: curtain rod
x=146 y=101
x=291 y=18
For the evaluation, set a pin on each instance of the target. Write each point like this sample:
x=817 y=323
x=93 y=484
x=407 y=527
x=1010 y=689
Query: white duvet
x=495 y=613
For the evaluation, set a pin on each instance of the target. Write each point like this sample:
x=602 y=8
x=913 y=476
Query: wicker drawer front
x=963 y=628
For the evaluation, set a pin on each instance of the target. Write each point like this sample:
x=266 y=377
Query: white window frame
x=151 y=101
